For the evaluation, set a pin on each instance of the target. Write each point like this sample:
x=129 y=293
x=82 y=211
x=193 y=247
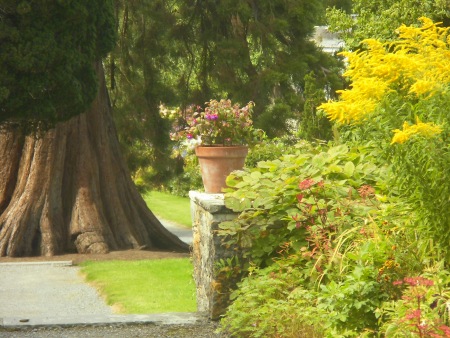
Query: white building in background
x=329 y=42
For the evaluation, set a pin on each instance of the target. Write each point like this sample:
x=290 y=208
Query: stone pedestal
x=208 y=211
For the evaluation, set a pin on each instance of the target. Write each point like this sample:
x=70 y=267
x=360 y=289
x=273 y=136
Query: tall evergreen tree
x=249 y=50
x=139 y=67
x=188 y=52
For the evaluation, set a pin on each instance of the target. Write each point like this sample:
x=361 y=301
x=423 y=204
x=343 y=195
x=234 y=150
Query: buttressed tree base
x=69 y=190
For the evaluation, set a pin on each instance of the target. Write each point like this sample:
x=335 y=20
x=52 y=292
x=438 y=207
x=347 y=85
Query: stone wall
x=208 y=211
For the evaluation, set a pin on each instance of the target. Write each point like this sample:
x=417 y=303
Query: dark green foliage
x=47 y=53
x=188 y=178
x=138 y=69
x=252 y=51
x=312 y=125
x=274 y=120
x=268 y=150
x=189 y=52
x=345 y=5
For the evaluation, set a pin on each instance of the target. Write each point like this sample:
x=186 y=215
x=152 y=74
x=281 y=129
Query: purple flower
x=211 y=117
x=189 y=136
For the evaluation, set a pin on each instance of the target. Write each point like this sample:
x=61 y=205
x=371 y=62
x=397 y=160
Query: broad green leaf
x=256 y=175
x=352 y=256
x=349 y=169
x=338 y=150
x=333 y=168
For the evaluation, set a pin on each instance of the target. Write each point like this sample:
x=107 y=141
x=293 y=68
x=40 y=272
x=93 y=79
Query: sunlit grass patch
x=145 y=286
x=169 y=207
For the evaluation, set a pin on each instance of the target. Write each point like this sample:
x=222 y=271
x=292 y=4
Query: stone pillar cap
x=213 y=203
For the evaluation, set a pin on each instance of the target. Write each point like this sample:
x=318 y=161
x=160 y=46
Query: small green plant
x=272 y=303
x=351 y=302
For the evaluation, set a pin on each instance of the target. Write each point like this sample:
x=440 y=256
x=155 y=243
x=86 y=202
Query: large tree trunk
x=70 y=190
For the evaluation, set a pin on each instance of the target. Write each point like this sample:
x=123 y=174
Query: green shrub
x=269 y=150
x=350 y=221
x=188 y=179
x=276 y=208
x=321 y=216
x=352 y=301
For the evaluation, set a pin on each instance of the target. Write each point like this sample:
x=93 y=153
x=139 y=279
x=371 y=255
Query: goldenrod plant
x=399 y=97
x=414 y=66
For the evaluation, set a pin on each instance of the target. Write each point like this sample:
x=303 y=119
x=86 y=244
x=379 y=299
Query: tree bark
x=70 y=190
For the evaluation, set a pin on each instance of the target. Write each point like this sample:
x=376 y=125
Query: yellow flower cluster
x=356 y=102
x=420 y=128
x=416 y=65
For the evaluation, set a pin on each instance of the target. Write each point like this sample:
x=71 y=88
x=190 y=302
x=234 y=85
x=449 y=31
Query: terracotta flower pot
x=217 y=162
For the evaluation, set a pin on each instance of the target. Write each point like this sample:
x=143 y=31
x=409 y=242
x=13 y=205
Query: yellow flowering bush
x=415 y=66
x=399 y=98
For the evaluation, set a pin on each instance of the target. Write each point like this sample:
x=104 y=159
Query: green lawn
x=169 y=207
x=145 y=286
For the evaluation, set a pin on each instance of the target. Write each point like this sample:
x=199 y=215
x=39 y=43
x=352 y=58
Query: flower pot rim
x=221 y=146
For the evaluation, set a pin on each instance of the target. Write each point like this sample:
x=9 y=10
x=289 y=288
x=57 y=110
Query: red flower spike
x=445 y=329
x=413 y=315
x=306 y=184
x=416 y=281
x=366 y=191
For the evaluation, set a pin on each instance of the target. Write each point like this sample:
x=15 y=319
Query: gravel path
x=42 y=292
x=206 y=330
x=46 y=290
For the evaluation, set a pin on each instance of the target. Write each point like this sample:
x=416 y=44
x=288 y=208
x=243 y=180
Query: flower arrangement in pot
x=220 y=134
x=222 y=123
